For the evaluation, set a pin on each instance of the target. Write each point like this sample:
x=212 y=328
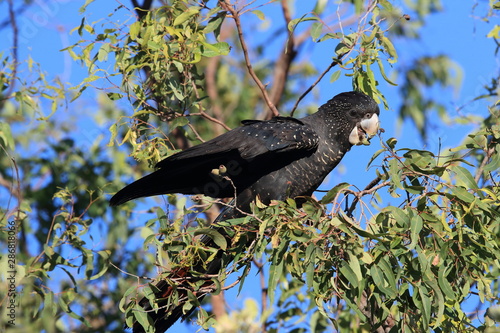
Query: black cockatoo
x=273 y=160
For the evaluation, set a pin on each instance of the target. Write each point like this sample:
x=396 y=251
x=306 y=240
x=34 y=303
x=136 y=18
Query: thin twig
x=236 y=16
x=208 y=117
x=369 y=189
x=282 y=67
x=198 y=136
x=246 y=8
x=333 y=64
x=202 y=112
x=489 y=152
x=15 y=45
x=263 y=287
x=362 y=22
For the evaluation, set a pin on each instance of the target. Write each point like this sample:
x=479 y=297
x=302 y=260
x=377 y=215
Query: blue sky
x=457 y=31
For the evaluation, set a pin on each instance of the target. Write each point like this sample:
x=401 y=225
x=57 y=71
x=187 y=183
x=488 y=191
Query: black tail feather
x=144 y=187
x=157 y=183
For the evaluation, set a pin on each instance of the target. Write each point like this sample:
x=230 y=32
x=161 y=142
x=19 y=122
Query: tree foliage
x=406 y=253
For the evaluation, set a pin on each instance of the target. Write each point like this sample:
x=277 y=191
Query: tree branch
x=202 y=112
x=370 y=188
x=15 y=45
x=282 y=67
x=263 y=295
x=369 y=311
x=333 y=64
x=479 y=172
x=230 y=8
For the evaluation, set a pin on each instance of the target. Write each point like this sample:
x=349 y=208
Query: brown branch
x=333 y=64
x=208 y=117
x=15 y=191
x=362 y=21
x=232 y=285
x=284 y=62
x=202 y=112
x=246 y=7
x=263 y=287
x=369 y=311
x=198 y=136
x=218 y=305
x=236 y=16
x=15 y=42
x=369 y=189
x=489 y=153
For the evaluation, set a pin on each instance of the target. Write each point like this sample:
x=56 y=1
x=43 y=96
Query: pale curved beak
x=364 y=131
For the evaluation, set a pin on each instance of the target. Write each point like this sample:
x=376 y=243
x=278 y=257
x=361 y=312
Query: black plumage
x=276 y=159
